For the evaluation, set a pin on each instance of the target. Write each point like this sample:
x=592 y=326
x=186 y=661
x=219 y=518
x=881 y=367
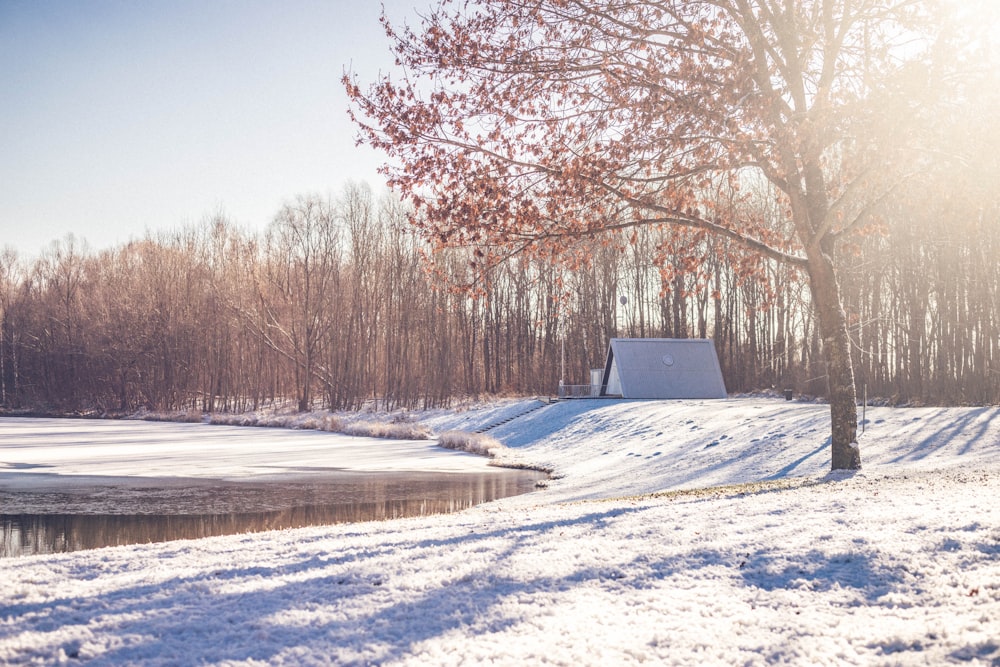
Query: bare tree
x=302 y=269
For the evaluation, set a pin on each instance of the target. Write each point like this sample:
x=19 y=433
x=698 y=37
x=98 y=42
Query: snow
x=151 y=449
x=673 y=532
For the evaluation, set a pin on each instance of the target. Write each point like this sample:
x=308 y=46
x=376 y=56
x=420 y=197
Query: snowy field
x=681 y=532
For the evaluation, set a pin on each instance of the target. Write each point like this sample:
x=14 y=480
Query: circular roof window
x=668 y=360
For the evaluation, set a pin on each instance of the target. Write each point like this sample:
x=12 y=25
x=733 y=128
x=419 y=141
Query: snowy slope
x=897 y=564
x=602 y=448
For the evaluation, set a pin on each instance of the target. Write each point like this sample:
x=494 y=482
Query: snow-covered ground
x=680 y=532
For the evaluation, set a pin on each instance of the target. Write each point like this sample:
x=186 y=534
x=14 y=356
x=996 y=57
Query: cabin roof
x=663 y=368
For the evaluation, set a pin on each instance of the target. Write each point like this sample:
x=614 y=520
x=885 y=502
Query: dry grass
x=474 y=443
x=392 y=430
x=313 y=421
x=189 y=416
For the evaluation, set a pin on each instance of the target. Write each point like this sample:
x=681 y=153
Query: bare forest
x=339 y=305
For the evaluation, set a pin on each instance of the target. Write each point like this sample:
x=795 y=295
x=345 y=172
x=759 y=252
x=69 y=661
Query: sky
x=121 y=117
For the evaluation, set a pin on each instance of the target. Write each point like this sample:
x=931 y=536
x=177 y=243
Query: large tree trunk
x=837 y=354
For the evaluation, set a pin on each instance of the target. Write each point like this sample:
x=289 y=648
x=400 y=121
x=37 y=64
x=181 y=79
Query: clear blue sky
x=119 y=116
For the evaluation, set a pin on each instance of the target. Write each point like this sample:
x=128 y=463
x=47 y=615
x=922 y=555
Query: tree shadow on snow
x=944 y=429
x=322 y=608
x=788 y=469
x=817 y=571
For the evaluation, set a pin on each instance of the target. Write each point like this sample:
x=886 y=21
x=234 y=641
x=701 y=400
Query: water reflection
x=109 y=515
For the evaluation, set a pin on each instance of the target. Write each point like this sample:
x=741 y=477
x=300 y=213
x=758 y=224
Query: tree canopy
x=534 y=120
x=526 y=124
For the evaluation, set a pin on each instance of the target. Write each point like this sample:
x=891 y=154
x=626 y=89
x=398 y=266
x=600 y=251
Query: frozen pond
x=72 y=484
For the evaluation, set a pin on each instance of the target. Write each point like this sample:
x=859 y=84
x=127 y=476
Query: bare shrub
x=273 y=421
x=309 y=423
x=331 y=423
x=474 y=443
x=226 y=419
x=192 y=416
x=395 y=431
x=320 y=422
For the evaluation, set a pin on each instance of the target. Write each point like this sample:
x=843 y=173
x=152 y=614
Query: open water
x=93 y=513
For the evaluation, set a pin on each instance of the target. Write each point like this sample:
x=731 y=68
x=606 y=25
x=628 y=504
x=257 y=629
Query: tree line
x=338 y=304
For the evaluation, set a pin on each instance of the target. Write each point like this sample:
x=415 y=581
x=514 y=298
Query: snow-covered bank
x=898 y=564
x=602 y=448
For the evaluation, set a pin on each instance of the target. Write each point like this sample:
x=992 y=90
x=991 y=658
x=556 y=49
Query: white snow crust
x=672 y=533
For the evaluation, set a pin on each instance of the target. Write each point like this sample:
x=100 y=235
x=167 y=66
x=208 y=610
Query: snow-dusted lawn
x=898 y=564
